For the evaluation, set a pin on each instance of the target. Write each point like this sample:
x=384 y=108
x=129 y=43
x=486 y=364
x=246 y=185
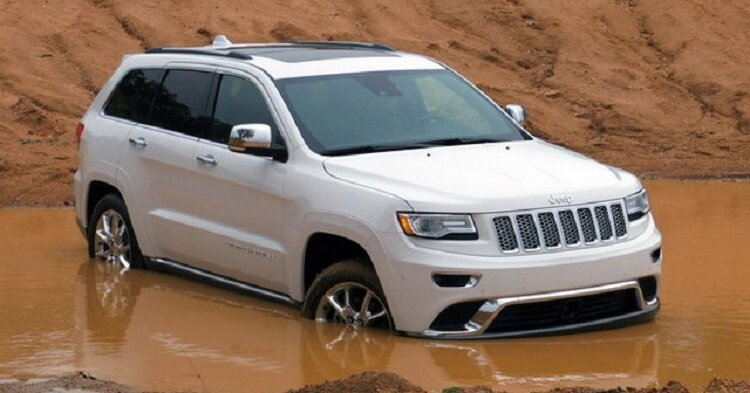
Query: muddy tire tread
x=357 y=270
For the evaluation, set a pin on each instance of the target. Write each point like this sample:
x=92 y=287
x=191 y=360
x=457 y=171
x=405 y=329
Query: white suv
x=364 y=185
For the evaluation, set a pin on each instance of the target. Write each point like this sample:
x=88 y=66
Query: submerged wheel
x=349 y=293
x=111 y=236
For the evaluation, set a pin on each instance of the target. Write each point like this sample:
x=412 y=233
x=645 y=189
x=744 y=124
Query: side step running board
x=222 y=281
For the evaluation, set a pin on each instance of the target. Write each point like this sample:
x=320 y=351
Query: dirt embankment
x=78 y=382
x=369 y=382
x=659 y=87
x=379 y=382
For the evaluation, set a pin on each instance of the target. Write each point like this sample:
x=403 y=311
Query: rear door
x=107 y=132
x=159 y=161
x=239 y=199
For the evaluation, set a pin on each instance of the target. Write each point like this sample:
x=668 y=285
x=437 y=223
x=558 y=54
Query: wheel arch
x=324 y=249
x=326 y=239
x=96 y=190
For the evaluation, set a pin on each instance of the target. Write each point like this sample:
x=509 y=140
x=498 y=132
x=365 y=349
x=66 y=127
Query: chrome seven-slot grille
x=560 y=228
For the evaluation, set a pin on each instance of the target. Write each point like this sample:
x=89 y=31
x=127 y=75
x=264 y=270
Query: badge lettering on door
x=250 y=251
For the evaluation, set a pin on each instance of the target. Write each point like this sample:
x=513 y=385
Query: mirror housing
x=257 y=139
x=250 y=136
x=517 y=113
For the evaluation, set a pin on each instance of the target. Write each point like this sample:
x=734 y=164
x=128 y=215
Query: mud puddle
x=61 y=313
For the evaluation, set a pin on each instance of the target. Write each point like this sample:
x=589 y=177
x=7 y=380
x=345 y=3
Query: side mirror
x=517 y=113
x=255 y=139
x=249 y=136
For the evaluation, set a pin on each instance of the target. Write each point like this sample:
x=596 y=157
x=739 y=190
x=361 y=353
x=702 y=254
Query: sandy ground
x=659 y=87
x=369 y=382
x=73 y=383
x=377 y=382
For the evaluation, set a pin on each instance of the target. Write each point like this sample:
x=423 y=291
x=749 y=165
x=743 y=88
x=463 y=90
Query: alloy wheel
x=352 y=304
x=112 y=239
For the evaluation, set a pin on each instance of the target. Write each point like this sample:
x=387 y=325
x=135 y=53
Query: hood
x=485 y=178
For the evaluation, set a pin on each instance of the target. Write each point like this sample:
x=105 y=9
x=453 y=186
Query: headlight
x=438 y=226
x=637 y=205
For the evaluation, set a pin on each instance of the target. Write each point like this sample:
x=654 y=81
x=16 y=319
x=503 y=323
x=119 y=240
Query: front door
x=239 y=198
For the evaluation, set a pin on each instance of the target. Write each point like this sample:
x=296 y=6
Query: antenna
x=221 y=41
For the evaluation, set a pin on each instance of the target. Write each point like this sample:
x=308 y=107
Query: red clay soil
x=376 y=382
x=659 y=87
x=77 y=382
x=368 y=382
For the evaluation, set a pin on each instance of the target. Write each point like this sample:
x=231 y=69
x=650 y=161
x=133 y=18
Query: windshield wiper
x=461 y=141
x=409 y=146
x=372 y=149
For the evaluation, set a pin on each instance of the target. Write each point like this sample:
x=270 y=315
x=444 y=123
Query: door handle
x=207 y=159
x=138 y=142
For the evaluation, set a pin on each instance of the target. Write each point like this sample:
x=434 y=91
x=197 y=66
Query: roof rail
x=206 y=52
x=342 y=45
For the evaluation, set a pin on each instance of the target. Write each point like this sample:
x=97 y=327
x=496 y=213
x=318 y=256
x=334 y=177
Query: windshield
x=393 y=110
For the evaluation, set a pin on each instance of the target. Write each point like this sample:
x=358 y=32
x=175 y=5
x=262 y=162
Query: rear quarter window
x=132 y=98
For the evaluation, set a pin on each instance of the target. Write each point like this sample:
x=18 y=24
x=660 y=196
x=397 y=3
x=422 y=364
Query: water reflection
x=61 y=312
x=630 y=359
x=135 y=317
x=155 y=320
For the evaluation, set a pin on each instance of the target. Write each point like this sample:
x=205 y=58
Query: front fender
x=350 y=228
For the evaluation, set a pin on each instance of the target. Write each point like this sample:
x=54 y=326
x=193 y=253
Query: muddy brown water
x=59 y=312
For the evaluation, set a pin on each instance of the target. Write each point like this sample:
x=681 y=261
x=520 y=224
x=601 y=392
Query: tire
x=113 y=206
x=358 y=278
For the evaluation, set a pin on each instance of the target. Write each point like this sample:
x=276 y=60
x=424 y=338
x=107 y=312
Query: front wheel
x=111 y=236
x=349 y=293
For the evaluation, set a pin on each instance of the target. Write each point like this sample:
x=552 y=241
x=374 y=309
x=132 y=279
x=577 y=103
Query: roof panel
x=298 y=54
x=344 y=65
x=290 y=60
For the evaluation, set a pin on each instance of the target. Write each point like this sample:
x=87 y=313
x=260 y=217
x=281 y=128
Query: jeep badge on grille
x=562 y=199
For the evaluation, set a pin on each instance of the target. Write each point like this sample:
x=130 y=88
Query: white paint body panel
x=238 y=205
x=485 y=178
x=281 y=70
x=156 y=182
x=267 y=210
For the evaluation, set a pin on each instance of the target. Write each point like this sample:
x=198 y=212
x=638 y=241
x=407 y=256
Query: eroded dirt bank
x=377 y=382
x=659 y=87
x=77 y=382
x=369 y=382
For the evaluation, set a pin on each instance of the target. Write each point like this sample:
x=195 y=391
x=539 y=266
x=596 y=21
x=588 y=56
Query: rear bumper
x=81 y=227
x=80 y=204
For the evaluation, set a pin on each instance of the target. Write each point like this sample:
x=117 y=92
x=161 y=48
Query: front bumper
x=483 y=318
x=415 y=300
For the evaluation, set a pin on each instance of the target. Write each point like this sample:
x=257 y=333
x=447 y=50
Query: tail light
x=79 y=132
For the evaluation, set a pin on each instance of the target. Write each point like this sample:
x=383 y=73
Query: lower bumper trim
x=479 y=325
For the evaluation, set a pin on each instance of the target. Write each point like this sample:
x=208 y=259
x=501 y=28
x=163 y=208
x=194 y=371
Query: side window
x=132 y=97
x=180 y=105
x=239 y=101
